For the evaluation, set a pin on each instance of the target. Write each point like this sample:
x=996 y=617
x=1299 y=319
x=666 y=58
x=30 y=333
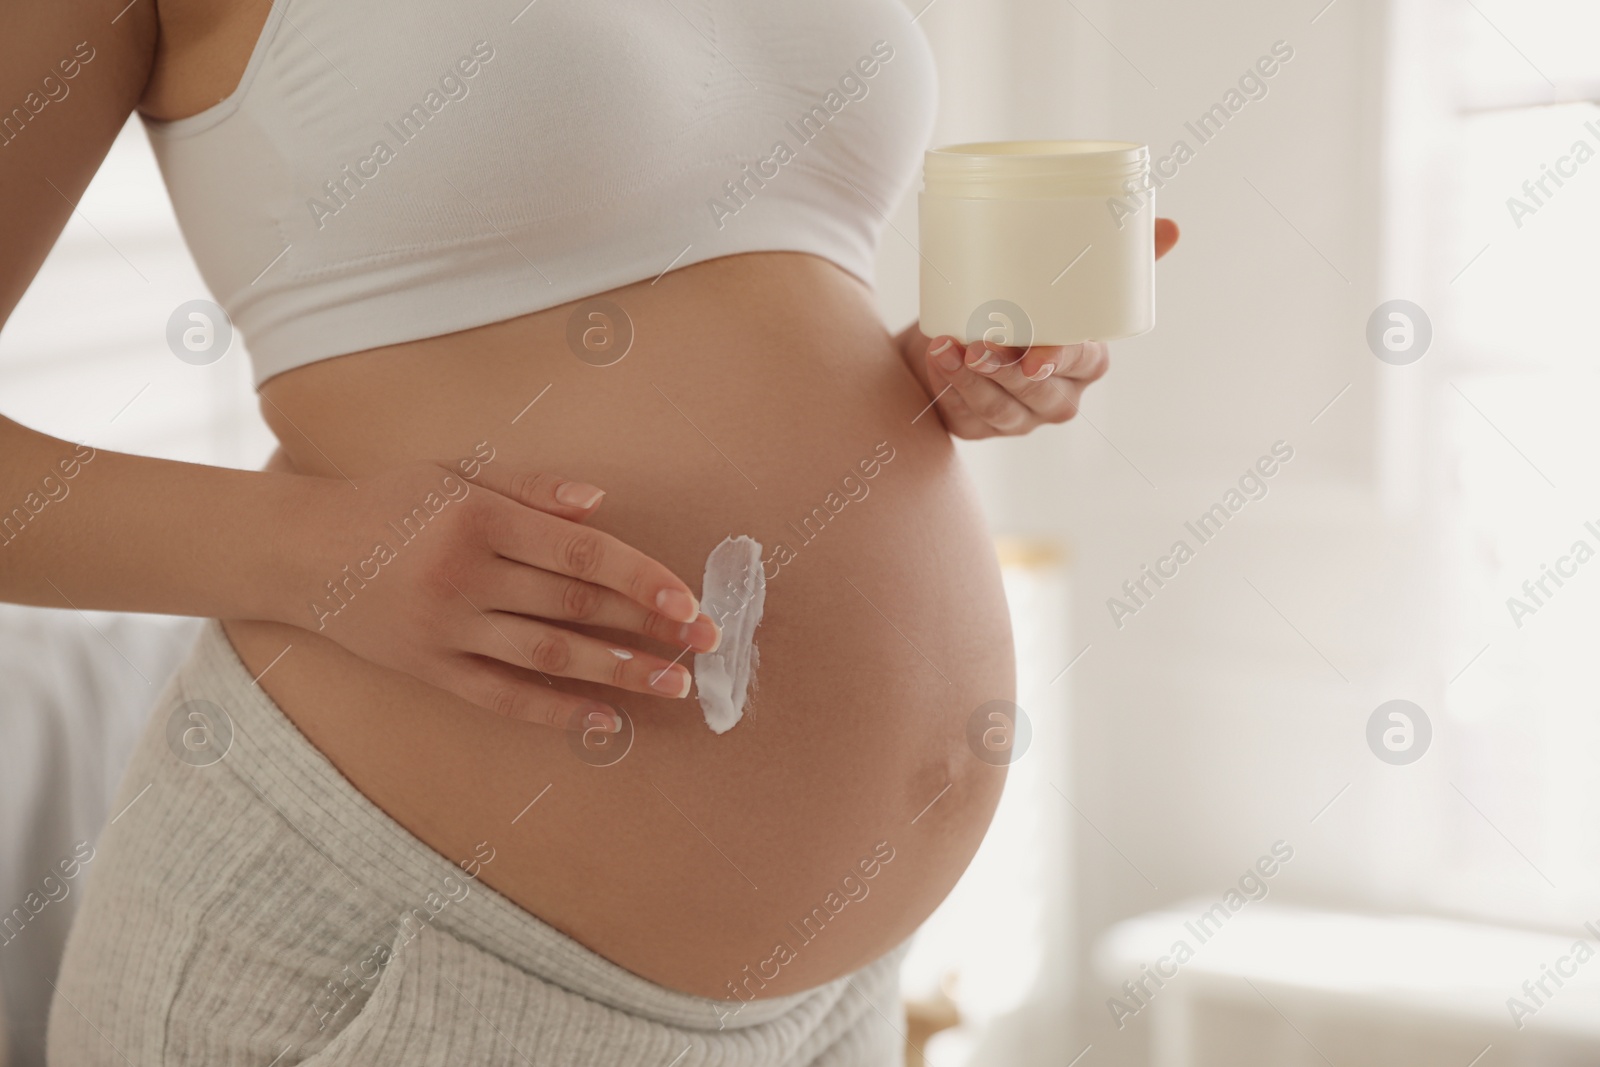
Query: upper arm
x=69 y=78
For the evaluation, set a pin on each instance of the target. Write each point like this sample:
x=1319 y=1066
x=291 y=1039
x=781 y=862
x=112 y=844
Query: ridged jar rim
x=1036 y=167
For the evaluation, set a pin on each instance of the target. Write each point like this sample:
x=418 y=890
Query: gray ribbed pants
x=248 y=907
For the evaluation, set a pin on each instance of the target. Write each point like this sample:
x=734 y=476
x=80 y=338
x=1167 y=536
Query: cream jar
x=1037 y=242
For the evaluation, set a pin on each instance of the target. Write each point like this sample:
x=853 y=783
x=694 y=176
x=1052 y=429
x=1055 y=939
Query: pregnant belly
x=760 y=396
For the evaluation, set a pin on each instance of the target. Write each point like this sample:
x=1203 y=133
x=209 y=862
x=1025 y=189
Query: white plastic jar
x=1037 y=242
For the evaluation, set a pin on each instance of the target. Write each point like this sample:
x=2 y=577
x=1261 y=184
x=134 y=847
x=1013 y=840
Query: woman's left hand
x=984 y=390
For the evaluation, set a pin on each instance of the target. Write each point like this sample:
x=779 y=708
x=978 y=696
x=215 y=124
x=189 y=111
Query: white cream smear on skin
x=734 y=594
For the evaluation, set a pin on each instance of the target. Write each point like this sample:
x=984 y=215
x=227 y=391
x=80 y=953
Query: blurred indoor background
x=1431 y=885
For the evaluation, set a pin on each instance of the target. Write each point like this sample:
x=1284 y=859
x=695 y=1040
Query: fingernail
x=620 y=653
x=948 y=358
x=702 y=635
x=677 y=606
x=578 y=494
x=978 y=358
x=601 y=717
x=940 y=347
x=673 y=681
x=1042 y=373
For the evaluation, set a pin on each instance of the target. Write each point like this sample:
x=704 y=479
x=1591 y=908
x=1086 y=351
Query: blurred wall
x=1230 y=709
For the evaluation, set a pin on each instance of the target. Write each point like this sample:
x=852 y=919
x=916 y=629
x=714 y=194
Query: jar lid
x=1034 y=168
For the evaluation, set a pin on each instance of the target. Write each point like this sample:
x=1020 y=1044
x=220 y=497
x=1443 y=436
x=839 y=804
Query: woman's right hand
x=468 y=578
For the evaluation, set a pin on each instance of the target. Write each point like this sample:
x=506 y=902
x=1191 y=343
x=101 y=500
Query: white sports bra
x=391 y=171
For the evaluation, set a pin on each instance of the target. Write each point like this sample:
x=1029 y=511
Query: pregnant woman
x=544 y=303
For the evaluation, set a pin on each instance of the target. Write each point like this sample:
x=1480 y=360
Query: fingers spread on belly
x=541 y=594
x=523 y=695
x=560 y=653
x=544 y=541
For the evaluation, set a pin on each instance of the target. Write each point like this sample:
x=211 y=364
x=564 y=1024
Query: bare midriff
x=758 y=392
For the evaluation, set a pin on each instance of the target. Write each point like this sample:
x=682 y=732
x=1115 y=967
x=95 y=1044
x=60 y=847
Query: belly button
x=939 y=784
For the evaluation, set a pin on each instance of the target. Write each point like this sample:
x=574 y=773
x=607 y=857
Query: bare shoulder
x=71 y=72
